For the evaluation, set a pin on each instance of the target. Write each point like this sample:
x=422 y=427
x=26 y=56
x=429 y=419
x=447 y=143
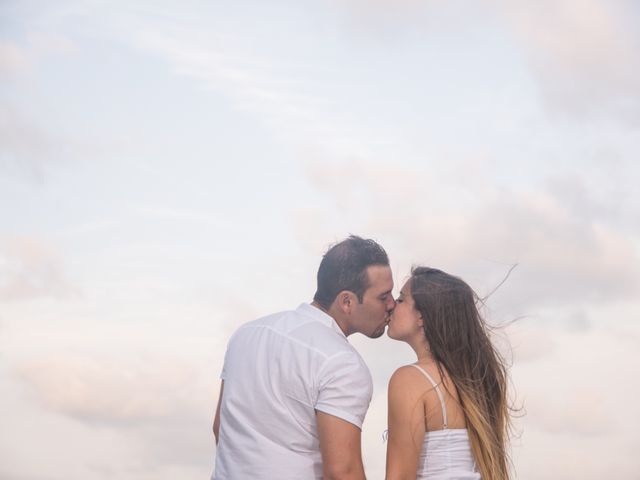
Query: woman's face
x=405 y=320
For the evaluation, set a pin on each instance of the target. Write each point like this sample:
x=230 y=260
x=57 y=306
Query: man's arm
x=216 y=420
x=340 y=448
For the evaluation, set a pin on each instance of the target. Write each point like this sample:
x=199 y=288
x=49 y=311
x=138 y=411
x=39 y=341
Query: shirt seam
x=320 y=317
x=295 y=340
x=336 y=412
x=329 y=358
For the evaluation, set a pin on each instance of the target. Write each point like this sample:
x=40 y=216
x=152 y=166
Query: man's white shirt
x=278 y=371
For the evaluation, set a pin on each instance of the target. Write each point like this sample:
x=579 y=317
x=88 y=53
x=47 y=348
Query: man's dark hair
x=344 y=267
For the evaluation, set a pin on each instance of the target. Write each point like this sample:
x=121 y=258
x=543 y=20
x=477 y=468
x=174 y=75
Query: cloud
x=47 y=43
x=9 y=475
x=114 y=391
x=386 y=21
x=92 y=227
x=30 y=269
x=13 y=59
x=30 y=151
x=607 y=194
x=562 y=259
x=199 y=217
x=568 y=413
x=569 y=383
x=572 y=396
x=584 y=54
x=526 y=341
x=216 y=63
x=104 y=440
x=22 y=58
x=565 y=256
x=389 y=17
x=25 y=147
x=294 y=97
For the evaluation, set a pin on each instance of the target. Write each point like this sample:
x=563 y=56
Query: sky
x=168 y=172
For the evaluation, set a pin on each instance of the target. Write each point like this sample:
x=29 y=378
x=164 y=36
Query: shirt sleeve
x=345 y=388
x=225 y=369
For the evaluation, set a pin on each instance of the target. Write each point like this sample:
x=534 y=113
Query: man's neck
x=336 y=317
x=319 y=307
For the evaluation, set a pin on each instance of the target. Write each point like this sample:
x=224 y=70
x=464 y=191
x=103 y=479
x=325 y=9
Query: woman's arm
x=406 y=424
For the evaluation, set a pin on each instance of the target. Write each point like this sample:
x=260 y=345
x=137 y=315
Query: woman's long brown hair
x=459 y=343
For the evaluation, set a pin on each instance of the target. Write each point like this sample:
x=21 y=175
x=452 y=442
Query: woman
x=448 y=414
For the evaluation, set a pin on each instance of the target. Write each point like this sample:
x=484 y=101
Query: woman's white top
x=446 y=454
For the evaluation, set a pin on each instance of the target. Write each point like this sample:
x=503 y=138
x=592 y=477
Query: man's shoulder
x=280 y=322
x=346 y=358
x=303 y=329
x=266 y=320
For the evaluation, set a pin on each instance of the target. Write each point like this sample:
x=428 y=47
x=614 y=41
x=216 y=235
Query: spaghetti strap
x=437 y=389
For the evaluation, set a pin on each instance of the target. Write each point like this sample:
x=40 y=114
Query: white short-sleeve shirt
x=278 y=371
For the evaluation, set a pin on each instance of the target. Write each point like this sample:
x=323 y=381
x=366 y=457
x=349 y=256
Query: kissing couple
x=294 y=392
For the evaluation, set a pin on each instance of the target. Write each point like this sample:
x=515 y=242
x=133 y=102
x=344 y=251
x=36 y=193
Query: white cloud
x=525 y=341
x=25 y=146
x=13 y=59
x=585 y=53
x=112 y=390
x=17 y=59
x=50 y=43
x=96 y=444
x=185 y=215
x=573 y=396
x=298 y=98
x=563 y=257
x=29 y=268
x=136 y=416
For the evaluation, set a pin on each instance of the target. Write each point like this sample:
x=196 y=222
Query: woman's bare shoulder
x=406 y=378
x=404 y=390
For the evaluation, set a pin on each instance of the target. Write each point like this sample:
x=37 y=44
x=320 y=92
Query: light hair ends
x=459 y=342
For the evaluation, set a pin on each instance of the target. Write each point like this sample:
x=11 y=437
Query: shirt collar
x=320 y=316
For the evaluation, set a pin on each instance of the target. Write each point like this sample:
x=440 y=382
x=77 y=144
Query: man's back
x=278 y=371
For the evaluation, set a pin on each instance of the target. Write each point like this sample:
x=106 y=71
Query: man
x=294 y=392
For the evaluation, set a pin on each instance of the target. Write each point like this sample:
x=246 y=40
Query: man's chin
x=378 y=333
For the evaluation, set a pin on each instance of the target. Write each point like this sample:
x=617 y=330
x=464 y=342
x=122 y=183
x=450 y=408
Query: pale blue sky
x=167 y=173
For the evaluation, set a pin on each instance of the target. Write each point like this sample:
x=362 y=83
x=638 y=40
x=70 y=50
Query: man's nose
x=391 y=304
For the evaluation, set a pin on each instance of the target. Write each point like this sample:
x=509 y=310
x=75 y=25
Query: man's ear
x=345 y=300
